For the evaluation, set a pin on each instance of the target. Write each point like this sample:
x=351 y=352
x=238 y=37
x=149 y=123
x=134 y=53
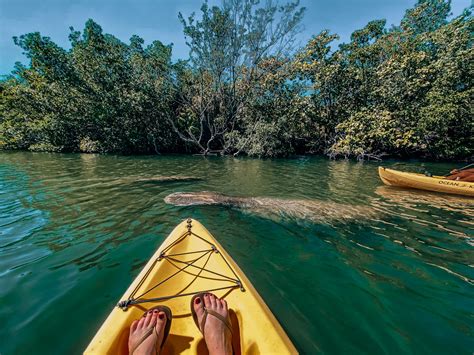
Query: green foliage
x=227 y=47
x=370 y=133
x=402 y=91
x=104 y=91
x=426 y=16
x=273 y=120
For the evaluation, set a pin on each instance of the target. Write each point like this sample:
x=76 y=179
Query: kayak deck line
x=133 y=300
x=190 y=261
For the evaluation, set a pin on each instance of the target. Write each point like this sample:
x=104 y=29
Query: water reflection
x=416 y=200
x=429 y=210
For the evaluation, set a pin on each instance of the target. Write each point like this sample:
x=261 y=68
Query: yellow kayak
x=419 y=181
x=190 y=261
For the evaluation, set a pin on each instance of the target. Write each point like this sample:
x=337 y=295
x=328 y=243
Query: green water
x=73 y=235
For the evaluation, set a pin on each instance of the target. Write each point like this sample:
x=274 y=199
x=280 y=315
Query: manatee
x=313 y=210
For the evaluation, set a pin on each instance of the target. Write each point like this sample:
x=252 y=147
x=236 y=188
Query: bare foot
x=216 y=333
x=146 y=333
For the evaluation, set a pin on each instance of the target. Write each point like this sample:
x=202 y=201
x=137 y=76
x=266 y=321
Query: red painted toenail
x=162 y=316
x=198 y=300
x=155 y=311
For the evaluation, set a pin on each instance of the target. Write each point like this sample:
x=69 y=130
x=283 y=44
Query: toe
x=134 y=325
x=141 y=323
x=154 y=317
x=207 y=300
x=161 y=318
x=224 y=304
x=148 y=318
x=198 y=304
x=213 y=301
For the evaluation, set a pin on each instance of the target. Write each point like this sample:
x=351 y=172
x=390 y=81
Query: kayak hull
x=422 y=182
x=255 y=329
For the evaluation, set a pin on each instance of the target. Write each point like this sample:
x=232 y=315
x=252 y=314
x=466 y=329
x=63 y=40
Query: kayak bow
x=188 y=262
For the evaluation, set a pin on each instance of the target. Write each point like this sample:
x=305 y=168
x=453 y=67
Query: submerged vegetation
x=246 y=89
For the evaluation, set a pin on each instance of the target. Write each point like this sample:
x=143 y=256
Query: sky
x=158 y=19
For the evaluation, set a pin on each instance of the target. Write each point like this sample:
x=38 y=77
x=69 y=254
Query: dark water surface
x=76 y=229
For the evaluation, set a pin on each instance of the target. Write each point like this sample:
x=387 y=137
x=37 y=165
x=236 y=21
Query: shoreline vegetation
x=248 y=89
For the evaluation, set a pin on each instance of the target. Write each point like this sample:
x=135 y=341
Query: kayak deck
x=419 y=181
x=189 y=261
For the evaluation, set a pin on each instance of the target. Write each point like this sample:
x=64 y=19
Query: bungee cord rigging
x=189 y=267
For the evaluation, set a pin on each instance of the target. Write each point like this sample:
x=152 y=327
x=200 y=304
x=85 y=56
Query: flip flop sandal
x=206 y=313
x=169 y=317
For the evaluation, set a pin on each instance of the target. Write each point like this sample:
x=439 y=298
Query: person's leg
x=213 y=319
x=467 y=176
x=146 y=333
x=454 y=175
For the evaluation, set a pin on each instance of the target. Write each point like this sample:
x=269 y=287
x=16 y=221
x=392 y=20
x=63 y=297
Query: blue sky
x=158 y=19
